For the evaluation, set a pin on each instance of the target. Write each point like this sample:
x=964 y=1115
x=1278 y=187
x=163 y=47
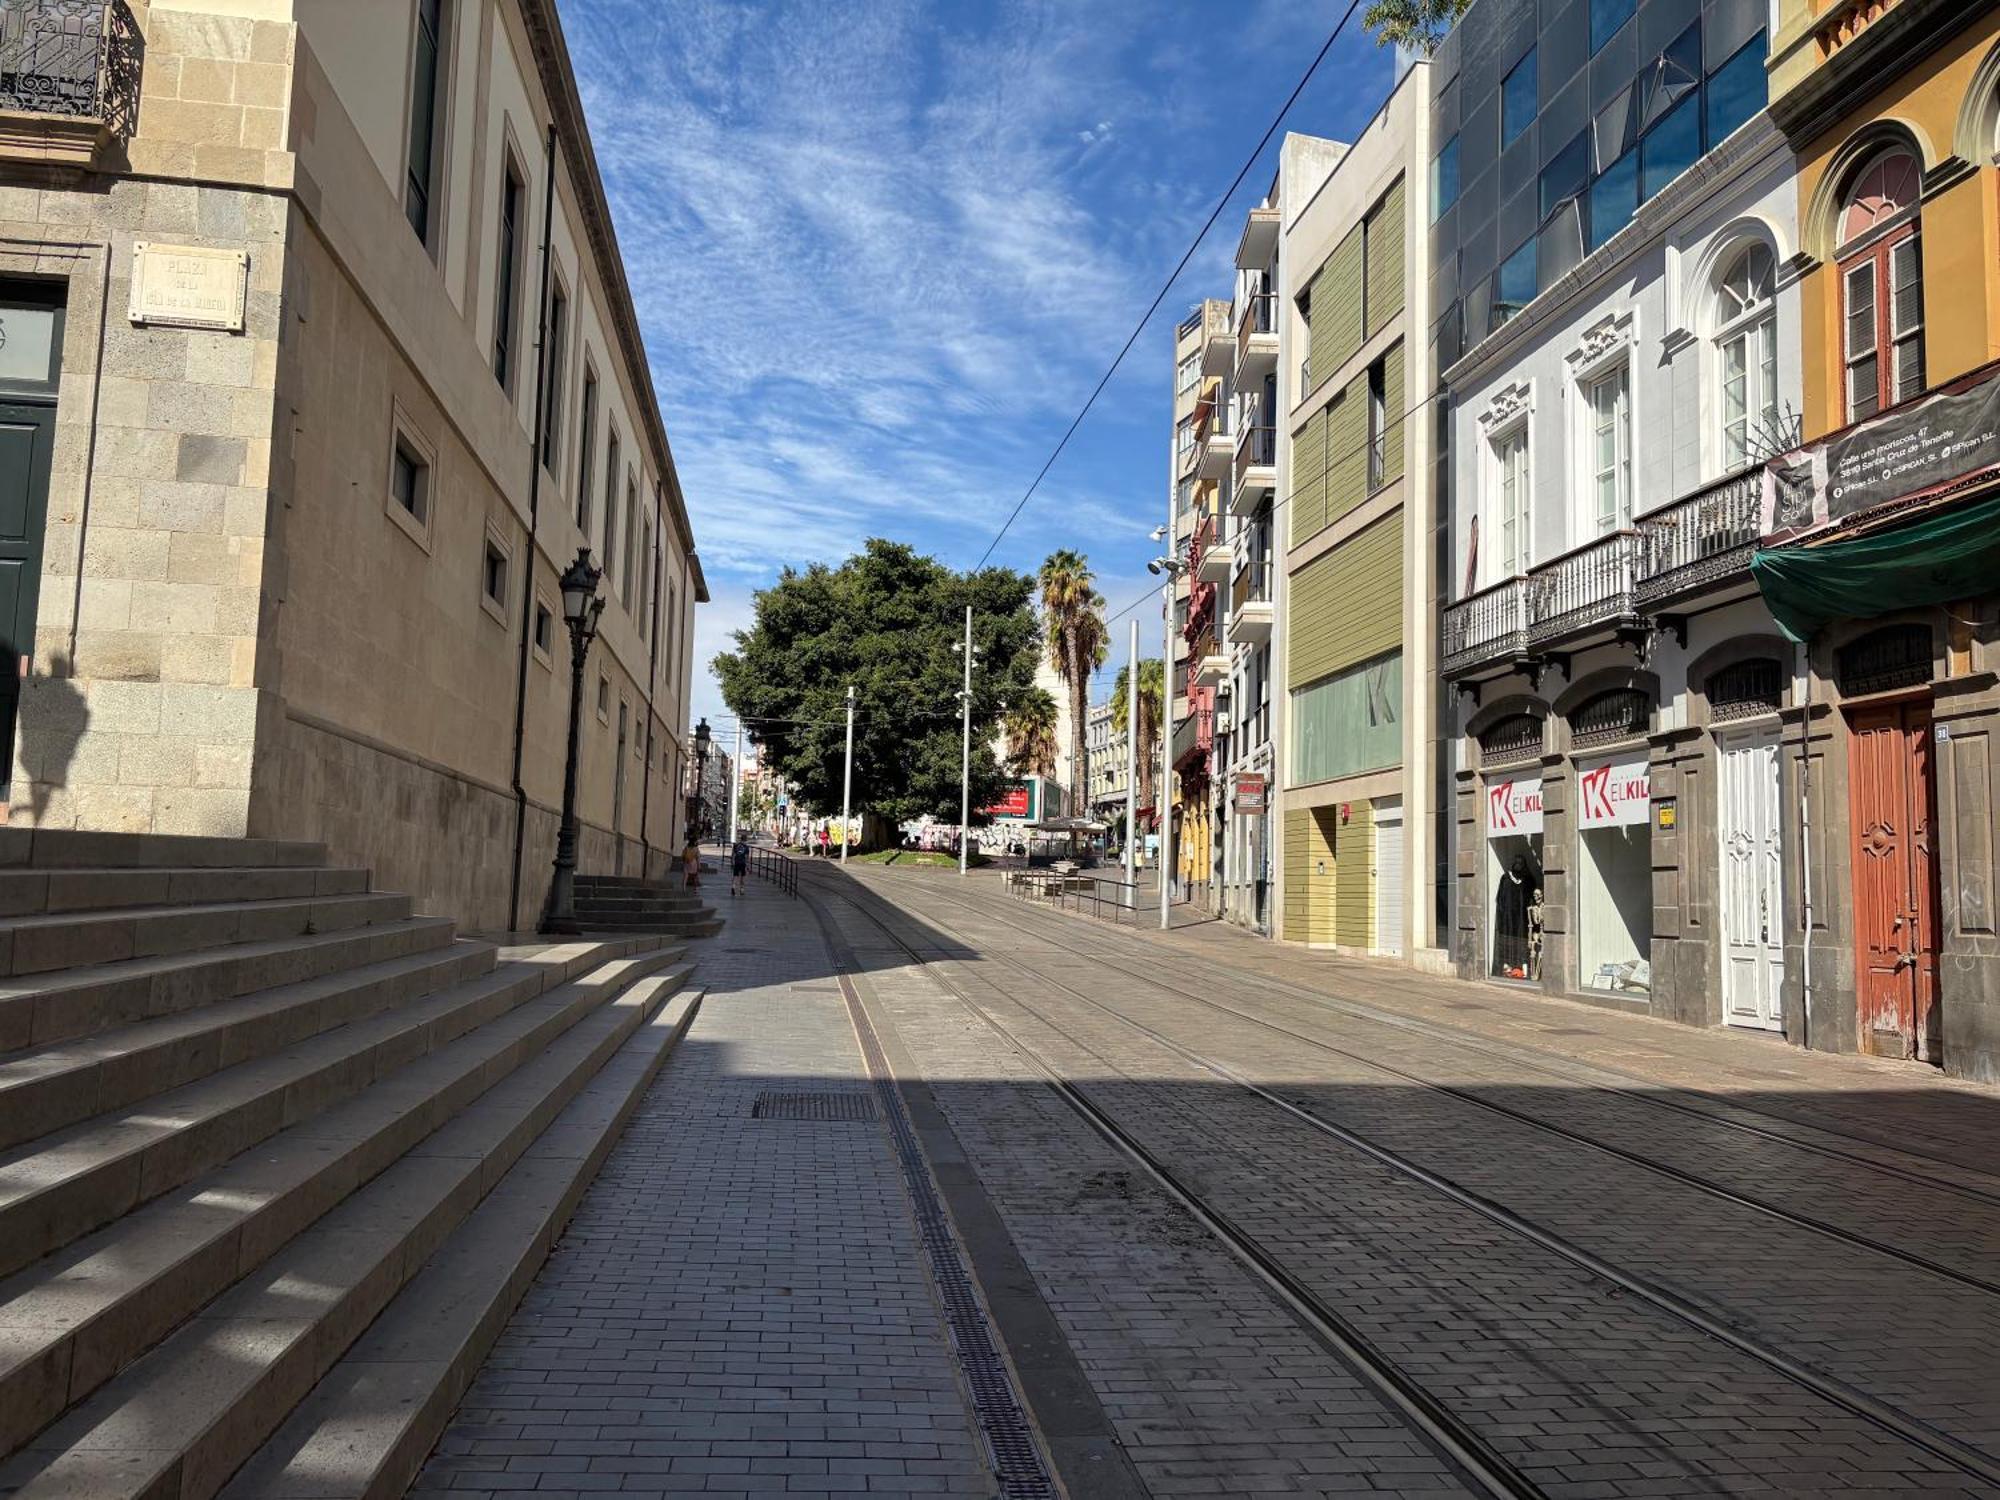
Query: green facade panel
x=1347 y=606
x=1385 y=260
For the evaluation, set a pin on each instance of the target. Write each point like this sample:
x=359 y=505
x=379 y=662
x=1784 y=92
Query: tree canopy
x=885 y=620
x=1417 y=24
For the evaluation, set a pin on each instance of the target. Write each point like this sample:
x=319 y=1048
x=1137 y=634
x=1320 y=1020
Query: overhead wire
x=1173 y=276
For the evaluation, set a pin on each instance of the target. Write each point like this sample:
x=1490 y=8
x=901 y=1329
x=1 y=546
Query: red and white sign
x=1014 y=803
x=1514 y=807
x=1614 y=793
x=1249 y=792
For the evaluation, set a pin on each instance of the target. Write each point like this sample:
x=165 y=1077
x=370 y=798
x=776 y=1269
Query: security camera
x=1156 y=567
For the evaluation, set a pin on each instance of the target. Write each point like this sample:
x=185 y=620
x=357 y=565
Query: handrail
x=777 y=867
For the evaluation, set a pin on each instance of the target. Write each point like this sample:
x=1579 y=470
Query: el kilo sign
x=185 y=286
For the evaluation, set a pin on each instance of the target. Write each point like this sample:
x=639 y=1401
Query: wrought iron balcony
x=1486 y=627
x=1583 y=589
x=69 y=79
x=1700 y=541
x=1194 y=735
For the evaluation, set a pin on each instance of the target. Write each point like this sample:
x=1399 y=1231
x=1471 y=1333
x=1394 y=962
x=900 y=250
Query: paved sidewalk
x=740 y=1305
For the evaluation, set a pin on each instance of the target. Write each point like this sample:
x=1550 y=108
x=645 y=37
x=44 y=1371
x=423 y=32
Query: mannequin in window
x=1535 y=934
x=1519 y=883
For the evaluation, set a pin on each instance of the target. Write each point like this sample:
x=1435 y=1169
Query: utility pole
x=1132 y=759
x=965 y=753
x=736 y=791
x=1163 y=800
x=847 y=777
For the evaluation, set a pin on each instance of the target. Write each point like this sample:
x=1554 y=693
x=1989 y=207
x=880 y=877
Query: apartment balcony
x=1485 y=629
x=1211 y=669
x=69 y=81
x=1259 y=245
x=1251 y=614
x=1218 y=346
x=1217 y=451
x=1701 y=542
x=1584 y=590
x=1194 y=735
x=1217 y=561
x=1256 y=469
x=1256 y=339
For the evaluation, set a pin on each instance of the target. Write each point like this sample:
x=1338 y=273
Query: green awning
x=1951 y=553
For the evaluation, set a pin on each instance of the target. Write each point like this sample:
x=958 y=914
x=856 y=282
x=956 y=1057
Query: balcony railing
x=1491 y=625
x=1256 y=447
x=70 y=61
x=1587 y=587
x=1194 y=735
x=1252 y=585
x=1701 y=540
x=1258 y=315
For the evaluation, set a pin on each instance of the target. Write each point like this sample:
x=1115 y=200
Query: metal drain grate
x=772 y=1105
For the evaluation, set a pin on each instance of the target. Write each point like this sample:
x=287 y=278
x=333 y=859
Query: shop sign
x=1514 y=807
x=1016 y=802
x=1249 y=792
x=1920 y=446
x=1614 y=793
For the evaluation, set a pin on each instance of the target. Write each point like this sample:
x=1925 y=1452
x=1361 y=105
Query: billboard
x=1017 y=802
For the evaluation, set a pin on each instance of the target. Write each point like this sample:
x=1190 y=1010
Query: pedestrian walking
x=691 y=864
x=739 y=864
x=825 y=838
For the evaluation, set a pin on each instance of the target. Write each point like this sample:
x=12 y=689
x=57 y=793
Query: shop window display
x=1514 y=865
x=1615 y=875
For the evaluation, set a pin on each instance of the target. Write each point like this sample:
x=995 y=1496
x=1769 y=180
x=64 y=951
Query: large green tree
x=885 y=621
x=1030 y=727
x=1417 y=24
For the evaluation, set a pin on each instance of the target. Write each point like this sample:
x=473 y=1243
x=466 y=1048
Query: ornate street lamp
x=698 y=798
x=581 y=607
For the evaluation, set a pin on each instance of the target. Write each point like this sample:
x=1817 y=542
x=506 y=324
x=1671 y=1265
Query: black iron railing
x=1490 y=625
x=74 y=58
x=777 y=867
x=1700 y=540
x=1590 y=586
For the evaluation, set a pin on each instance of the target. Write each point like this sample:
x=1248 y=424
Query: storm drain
x=772 y=1105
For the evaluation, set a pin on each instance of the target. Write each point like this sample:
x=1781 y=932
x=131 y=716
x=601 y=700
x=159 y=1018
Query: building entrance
x=1753 y=957
x=1894 y=801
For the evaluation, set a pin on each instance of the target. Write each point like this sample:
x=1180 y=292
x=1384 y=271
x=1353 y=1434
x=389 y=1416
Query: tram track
x=1943 y=1447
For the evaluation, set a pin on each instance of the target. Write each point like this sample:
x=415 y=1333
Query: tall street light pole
x=581 y=607
x=736 y=781
x=847 y=777
x=1169 y=568
x=1132 y=757
x=965 y=752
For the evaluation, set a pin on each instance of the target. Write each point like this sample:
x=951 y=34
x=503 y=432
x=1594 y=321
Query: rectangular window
x=545 y=628
x=1614 y=198
x=1518 y=100
x=1606 y=16
x=1444 y=179
x=604 y=697
x=421 y=161
x=1749 y=392
x=493 y=580
x=558 y=335
x=1514 y=282
x=1378 y=423
x=1906 y=318
x=1864 y=382
x=505 y=290
x=667 y=646
x=1566 y=172
x=1671 y=146
x=1188 y=374
x=1184 y=437
x=1349 y=722
x=610 y=555
x=1736 y=91
x=410 y=481
x=1610 y=441
x=629 y=566
x=1510 y=469
x=586 y=440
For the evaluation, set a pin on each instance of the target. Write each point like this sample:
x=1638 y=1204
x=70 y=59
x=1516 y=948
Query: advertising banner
x=1249 y=792
x=1016 y=802
x=1614 y=793
x=1514 y=807
x=1922 y=446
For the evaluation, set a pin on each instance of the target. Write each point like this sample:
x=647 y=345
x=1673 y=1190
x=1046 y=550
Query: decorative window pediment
x=1606 y=340
x=1506 y=406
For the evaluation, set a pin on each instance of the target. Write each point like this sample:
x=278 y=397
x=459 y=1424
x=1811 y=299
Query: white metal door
x=1389 y=876
x=1753 y=959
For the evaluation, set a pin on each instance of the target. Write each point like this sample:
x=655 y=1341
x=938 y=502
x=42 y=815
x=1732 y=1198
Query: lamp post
x=698 y=798
x=581 y=607
x=1167 y=569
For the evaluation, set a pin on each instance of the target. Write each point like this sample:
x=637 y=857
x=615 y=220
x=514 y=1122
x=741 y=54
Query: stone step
x=49 y=847
x=28 y=891
x=704 y=924
x=653 y=904
x=76 y=1180
x=46 y=1088
x=85 y=1001
x=369 y=1424
x=34 y=945
x=73 y=1320
x=179 y=1423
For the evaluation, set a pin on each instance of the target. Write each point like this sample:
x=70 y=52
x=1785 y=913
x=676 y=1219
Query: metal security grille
x=1616 y=715
x=826 y=1106
x=1896 y=656
x=1513 y=738
x=70 y=57
x=1745 y=690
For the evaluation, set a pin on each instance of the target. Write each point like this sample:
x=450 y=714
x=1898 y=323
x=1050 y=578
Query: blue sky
x=882 y=249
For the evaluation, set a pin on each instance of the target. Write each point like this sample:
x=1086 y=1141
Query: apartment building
x=321 y=367
x=1352 y=526
x=1619 y=828
x=1881 y=554
x=1204 y=350
x=1109 y=774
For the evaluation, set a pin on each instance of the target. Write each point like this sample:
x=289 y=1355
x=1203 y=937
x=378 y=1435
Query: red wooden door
x=1895 y=881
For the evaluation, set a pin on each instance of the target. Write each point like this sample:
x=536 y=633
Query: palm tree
x=1073 y=622
x=1152 y=692
x=1030 y=728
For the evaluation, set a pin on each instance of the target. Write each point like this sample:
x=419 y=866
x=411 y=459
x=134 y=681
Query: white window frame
x=1607 y=401
x=1605 y=352
x=1509 y=448
x=496 y=609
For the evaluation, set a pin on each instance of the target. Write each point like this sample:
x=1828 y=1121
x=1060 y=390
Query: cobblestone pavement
x=740 y=1305
x=1853 y=1283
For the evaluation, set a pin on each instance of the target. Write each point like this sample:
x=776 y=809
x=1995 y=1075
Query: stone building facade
x=344 y=372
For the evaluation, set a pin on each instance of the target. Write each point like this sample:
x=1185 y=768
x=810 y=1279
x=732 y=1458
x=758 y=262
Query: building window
x=1188 y=373
x=630 y=565
x=1444 y=179
x=552 y=410
x=1606 y=16
x=545 y=630
x=603 y=698
x=1510 y=484
x=1614 y=198
x=1609 y=402
x=586 y=441
x=610 y=511
x=1671 y=146
x=493 y=578
x=1736 y=91
x=506 y=287
x=1184 y=438
x=1518 y=100
x=1892 y=657
x=1745 y=690
x=410 y=481
x=1881 y=273
x=1567 y=171
x=1514 y=282
x=1378 y=422
x=422 y=156
x=1747 y=344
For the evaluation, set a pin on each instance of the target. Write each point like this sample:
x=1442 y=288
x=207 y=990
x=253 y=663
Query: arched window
x=1882 y=284
x=1515 y=737
x=1747 y=347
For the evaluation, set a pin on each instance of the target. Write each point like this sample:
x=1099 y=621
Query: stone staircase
x=627 y=903
x=278 y=1158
